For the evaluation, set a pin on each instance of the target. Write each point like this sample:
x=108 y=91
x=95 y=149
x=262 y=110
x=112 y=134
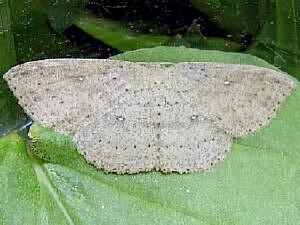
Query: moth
x=130 y=117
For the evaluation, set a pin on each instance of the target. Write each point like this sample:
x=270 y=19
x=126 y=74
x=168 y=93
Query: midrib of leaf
x=46 y=182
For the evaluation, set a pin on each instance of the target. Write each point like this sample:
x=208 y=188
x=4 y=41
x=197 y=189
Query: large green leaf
x=258 y=183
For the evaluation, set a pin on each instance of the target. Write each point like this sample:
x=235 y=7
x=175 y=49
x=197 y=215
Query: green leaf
x=279 y=39
x=26 y=195
x=210 y=43
x=18 y=187
x=11 y=115
x=124 y=39
x=114 y=34
x=182 y=54
x=258 y=183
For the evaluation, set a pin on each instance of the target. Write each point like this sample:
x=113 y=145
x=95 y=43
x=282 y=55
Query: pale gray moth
x=130 y=117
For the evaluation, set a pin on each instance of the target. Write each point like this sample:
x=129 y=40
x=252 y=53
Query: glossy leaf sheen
x=257 y=184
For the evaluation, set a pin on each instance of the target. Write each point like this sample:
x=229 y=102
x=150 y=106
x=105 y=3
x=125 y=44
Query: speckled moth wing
x=154 y=127
x=131 y=117
x=239 y=98
x=69 y=93
x=134 y=137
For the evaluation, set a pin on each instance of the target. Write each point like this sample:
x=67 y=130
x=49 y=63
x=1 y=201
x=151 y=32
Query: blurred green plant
x=274 y=25
x=11 y=114
x=117 y=36
x=62 y=14
x=114 y=34
x=279 y=39
x=236 y=16
x=34 y=38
